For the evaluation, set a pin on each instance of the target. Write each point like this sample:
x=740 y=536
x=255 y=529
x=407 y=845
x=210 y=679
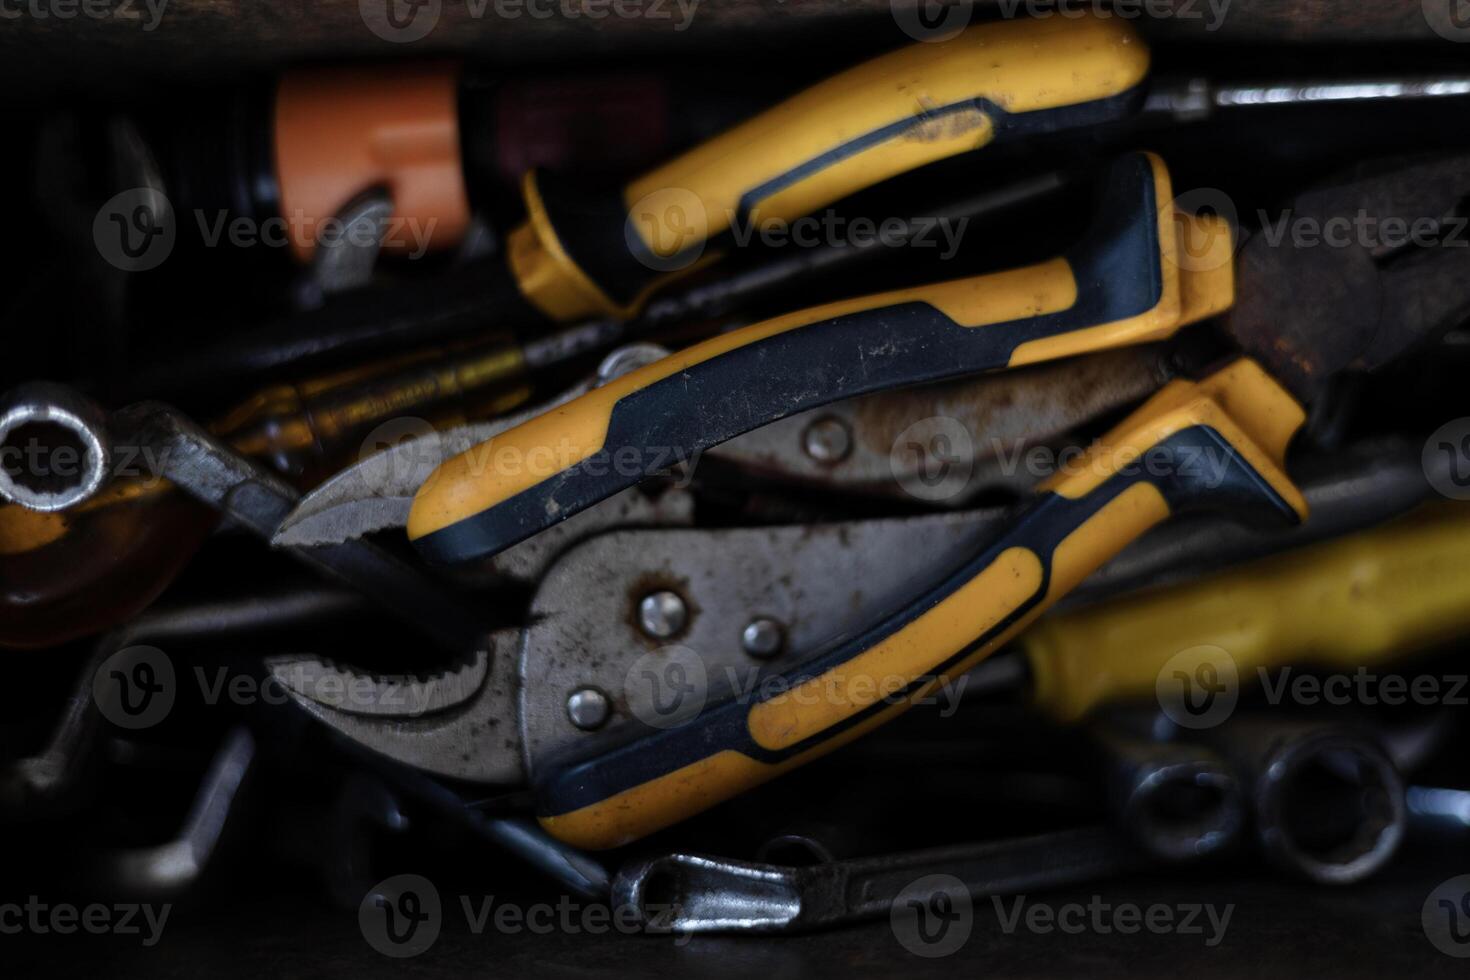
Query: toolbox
x=608 y=487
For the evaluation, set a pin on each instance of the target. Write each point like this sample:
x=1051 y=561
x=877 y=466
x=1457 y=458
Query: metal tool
x=208 y=470
x=1017 y=411
x=170 y=869
x=603 y=796
x=690 y=893
x=52 y=780
x=1328 y=804
x=583 y=252
x=376 y=493
x=375 y=320
x=54 y=452
x=584 y=634
x=1309 y=314
x=1125 y=282
x=1177 y=802
x=1021 y=572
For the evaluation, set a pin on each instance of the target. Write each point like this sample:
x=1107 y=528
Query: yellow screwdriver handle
x=1360 y=600
x=584 y=254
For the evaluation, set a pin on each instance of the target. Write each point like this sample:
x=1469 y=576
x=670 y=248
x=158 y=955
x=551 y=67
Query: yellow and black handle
x=1374 y=597
x=1123 y=284
x=584 y=254
x=1217 y=443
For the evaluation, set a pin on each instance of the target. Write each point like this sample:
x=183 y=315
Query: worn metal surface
x=814 y=581
x=460 y=723
x=1177 y=802
x=170 y=869
x=376 y=492
x=1328 y=803
x=689 y=893
x=45 y=416
x=1358 y=272
x=994 y=420
x=256 y=499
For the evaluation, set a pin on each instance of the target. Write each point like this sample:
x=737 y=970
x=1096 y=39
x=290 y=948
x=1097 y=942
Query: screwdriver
x=345 y=132
x=1362 y=600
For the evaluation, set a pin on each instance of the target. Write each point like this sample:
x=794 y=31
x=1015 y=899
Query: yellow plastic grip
x=918 y=105
x=1067 y=534
x=518 y=460
x=1361 y=600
